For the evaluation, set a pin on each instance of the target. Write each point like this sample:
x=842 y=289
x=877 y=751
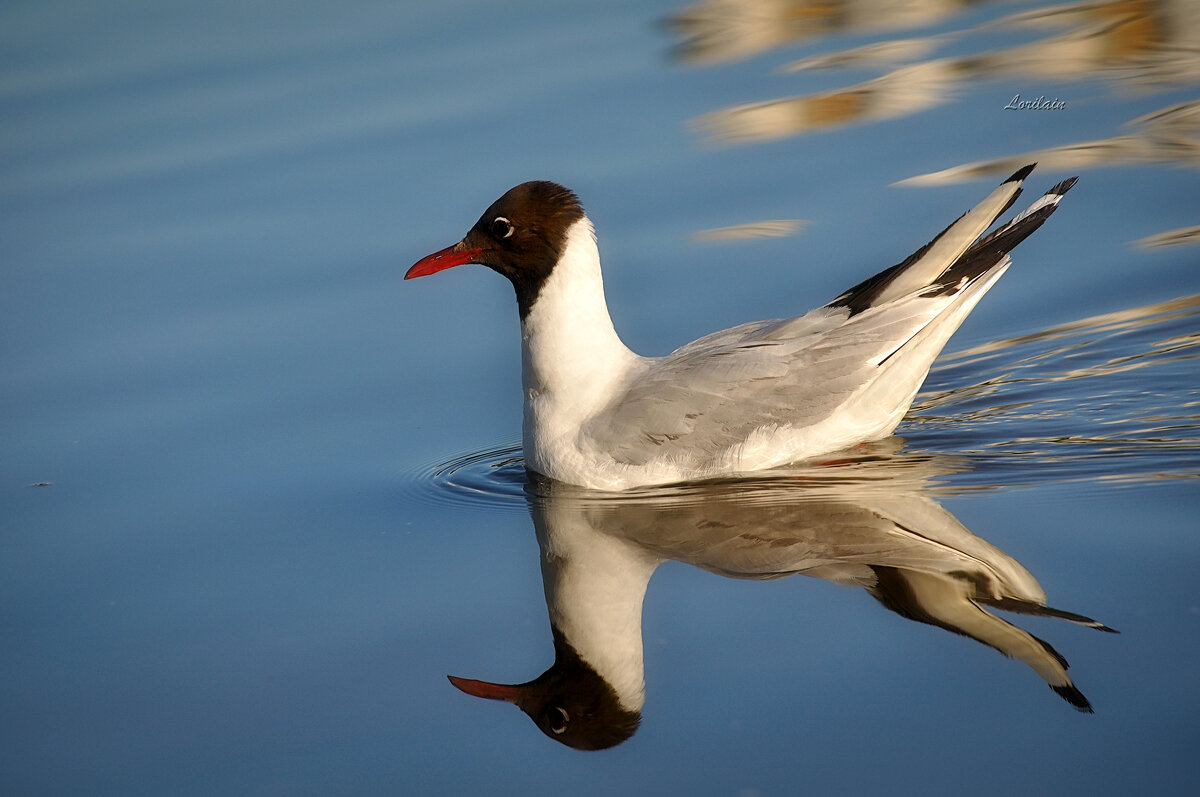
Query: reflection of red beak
x=449 y=257
x=489 y=690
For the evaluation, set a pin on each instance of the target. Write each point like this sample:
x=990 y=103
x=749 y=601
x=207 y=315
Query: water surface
x=260 y=496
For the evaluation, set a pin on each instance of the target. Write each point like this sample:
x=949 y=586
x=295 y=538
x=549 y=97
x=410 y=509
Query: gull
x=753 y=397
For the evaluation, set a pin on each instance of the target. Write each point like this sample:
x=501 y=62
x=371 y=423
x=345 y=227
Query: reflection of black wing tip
x=1018 y=606
x=1073 y=696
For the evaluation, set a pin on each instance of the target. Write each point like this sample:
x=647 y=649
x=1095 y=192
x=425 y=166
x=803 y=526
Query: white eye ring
x=508 y=228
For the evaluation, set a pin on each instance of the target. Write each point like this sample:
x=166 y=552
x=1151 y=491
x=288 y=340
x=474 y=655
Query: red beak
x=489 y=690
x=449 y=257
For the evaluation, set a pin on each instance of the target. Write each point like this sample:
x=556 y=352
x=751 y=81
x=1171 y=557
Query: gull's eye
x=557 y=719
x=501 y=227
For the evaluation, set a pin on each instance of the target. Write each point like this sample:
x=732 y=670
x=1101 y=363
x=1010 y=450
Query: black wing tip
x=978 y=259
x=1064 y=186
x=1073 y=696
x=1021 y=174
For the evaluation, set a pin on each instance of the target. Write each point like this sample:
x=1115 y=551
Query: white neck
x=595 y=585
x=572 y=360
x=569 y=345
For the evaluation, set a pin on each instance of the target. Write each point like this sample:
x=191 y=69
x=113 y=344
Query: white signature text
x=1039 y=104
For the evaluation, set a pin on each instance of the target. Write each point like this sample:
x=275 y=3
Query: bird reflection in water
x=866 y=521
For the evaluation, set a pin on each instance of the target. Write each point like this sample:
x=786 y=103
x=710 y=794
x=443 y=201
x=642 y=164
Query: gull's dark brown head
x=520 y=236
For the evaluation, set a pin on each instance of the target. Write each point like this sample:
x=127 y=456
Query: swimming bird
x=756 y=396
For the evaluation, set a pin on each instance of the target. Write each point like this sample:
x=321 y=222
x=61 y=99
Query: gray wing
x=713 y=393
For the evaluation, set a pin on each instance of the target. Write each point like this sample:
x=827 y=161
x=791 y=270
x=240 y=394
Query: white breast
x=573 y=362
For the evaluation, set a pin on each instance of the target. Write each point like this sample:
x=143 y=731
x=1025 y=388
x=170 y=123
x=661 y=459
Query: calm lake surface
x=259 y=496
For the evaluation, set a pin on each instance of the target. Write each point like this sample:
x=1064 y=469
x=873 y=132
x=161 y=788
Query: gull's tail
x=958 y=255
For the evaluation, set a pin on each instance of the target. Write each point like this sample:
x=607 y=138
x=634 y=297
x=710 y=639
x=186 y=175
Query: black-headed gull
x=756 y=396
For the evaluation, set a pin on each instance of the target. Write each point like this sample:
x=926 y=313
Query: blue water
x=258 y=496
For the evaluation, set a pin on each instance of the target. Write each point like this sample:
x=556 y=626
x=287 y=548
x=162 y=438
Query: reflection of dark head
x=570 y=702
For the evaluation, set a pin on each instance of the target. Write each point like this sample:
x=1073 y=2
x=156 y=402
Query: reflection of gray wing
x=870 y=526
x=713 y=393
x=840 y=531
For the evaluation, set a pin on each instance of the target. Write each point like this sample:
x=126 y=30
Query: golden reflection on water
x=1139 y=42
x=770 y=228
x=716 y=31
x=1169 y=136
x=1076 y=393
x=1133 y=45
x=1104 y=324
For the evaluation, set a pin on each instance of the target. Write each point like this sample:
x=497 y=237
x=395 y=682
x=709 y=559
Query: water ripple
x=1113 y=397
x=493 y=478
